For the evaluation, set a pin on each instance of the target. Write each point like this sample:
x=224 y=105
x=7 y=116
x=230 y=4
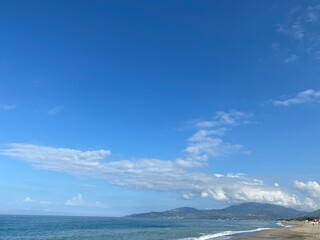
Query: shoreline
x=294 y=230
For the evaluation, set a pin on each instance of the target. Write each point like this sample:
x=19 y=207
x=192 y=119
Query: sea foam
x=282 y=225
x=224 y=234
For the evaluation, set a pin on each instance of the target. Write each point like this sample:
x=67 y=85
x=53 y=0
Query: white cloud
x=98 y=204
x=309 y=203
x=28 y=200
x=204 y=194
x=311 y=188
x=204 y=144
x=156 y=175
x=222 y=118
x=178 y=176
x=78 y=201
x=306 y=96
x=55 y=158
x=222 y=188
x=31 y=200
x=188 y=196
x=204 y=134
x=198 y=152
x=75 y=201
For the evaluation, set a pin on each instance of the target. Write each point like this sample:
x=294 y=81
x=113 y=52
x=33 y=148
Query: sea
x=21 y=227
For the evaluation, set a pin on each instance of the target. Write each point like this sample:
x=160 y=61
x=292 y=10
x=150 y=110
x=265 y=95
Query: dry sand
x=299 y=230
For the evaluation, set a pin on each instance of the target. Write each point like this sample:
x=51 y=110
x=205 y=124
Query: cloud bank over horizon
x=182 y=176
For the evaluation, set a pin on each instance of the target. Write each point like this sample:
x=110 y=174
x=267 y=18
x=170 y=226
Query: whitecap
x=223 y=234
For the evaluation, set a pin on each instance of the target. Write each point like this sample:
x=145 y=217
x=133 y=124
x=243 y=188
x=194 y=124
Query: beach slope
x=298 y=230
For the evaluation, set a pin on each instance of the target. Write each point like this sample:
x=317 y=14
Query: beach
x=294 y=230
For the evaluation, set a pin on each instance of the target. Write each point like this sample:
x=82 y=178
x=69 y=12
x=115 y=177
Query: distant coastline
x=244 y=211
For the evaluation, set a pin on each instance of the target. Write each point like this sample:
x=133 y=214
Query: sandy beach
x=298 y=230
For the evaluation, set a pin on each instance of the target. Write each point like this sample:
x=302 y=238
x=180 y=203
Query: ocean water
x=103 y=228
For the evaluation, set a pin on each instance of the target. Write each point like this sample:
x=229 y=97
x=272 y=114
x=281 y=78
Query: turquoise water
x=100 y=228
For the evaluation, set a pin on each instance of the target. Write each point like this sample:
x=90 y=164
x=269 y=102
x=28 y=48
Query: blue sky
x=116 y=107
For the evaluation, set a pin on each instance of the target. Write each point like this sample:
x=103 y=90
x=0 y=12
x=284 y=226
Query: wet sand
x=298 y=230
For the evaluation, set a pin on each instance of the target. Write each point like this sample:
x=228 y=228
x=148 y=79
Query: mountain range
x=243 y=211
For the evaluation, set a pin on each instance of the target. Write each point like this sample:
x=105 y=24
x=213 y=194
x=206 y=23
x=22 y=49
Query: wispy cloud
x=200 y=150
x=207 y=142
x=306 y=96
x=223 y=118
x=313 y=13
x=8 y=107
x=297 y=30
x=31 y=200
x=292 y=58
x=311 y=204
x=54 y=158
x=302 y=25
x=78 y=201
x=159 y=175
x=54 y=110
x=88 y=186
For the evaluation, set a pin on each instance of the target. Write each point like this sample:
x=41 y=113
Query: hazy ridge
x=243 y=211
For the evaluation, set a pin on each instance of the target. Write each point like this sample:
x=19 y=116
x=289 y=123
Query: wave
x=282 y=225
x=224 y=234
